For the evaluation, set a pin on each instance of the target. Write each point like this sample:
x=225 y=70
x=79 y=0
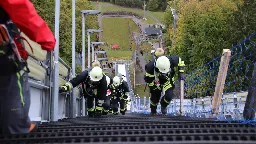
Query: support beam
x=83 y=42
x=89 y=49
x=73 y=97
x=82 y=102
x=182 y=97
x=221 y=80
x=55 y=92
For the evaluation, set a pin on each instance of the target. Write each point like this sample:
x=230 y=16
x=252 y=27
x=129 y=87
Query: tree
x=153 y=5
x=244 y=22
x=202 y=30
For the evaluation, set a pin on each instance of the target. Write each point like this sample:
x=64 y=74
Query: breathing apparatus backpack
x=13 y=55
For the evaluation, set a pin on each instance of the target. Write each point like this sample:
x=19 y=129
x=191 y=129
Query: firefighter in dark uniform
x=95 y=83
x=160 y=78
x=106 y=105
x=119 y=93
x=124 y=92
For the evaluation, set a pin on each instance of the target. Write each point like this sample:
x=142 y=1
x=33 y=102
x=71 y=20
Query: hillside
x=108 y=7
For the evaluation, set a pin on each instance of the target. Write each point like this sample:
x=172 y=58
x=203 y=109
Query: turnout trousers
x=90 y=103
x=14 y=104
x=156 y=95
x=106 y=105
x=115 y=105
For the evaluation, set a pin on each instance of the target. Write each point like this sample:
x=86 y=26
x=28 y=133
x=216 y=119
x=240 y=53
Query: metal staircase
x=137 y=128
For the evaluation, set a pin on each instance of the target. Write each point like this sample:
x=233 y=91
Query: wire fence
x=200 y=86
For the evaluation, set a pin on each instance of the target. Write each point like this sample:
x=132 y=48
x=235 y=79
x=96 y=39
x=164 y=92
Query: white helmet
x=96 y=74
x=116 y=81
x=108 y=80
x=163 y=64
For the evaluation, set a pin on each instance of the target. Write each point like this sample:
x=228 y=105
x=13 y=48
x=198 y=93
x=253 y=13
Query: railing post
x=182 y=97
x=145 y=99
x=46 y=113
x=223 y=68
x=55 y=92
x=139 y=103
x=73 y=97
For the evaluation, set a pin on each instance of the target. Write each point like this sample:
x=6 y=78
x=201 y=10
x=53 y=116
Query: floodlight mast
x=84 y=13
x=93 y=44
x=89 y=31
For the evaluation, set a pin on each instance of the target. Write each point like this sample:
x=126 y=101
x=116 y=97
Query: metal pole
x=92 y=52
x=174 y=29
x=73 y=100
x=144 y=9
x=55 y=98
x=83 y=42
x=89 y=52
x=174 y=23
x=83 y=59
x=182 y=97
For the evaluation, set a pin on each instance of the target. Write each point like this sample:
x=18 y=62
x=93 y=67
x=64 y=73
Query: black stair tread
x=138 y=128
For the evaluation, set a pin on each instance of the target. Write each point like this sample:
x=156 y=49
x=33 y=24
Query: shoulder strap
x=4 y=17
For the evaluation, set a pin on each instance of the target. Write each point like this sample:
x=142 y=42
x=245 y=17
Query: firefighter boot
x=122 y=112
x=164 y=105
x=115 y=113
x=91 y=113
x=164 y=110
x=110 y=110
x=104 y=113
x=153 y=110
x=98 y=111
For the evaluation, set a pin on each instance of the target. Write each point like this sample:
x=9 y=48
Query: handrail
x=62 y=62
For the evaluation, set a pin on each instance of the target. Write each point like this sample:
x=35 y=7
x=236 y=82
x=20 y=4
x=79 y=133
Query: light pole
x=144 y=6
x=175 y=17
x=89 y=31
x=94 y=44
x=84 y=13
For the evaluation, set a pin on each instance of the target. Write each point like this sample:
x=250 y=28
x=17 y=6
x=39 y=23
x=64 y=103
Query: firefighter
x=95 y=85
x=115 y=95
x=16 y=16
x=125 y=92
x=106 y=105
x=160 y=78
x=119 y=93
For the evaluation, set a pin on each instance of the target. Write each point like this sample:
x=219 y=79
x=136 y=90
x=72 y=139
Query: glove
x=63 y=89
x=163 y=78
x=182 y=76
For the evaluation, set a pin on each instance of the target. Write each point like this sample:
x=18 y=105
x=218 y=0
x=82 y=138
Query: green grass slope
x=118 y=31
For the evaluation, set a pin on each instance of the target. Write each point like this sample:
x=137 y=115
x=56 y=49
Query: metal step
x=138 y=128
